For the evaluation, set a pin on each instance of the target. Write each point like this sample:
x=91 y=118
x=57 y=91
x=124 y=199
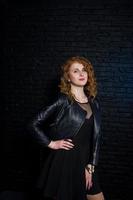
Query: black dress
x=63 y=173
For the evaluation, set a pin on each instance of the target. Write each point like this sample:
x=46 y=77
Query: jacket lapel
x=96 y=115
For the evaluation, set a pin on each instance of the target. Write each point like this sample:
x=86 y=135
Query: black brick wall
x=38 y=39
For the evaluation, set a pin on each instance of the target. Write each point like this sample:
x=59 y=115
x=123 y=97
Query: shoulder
x=58 y=99
x=63 y=98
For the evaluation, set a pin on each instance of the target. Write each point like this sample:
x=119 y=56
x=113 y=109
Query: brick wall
x=38 y=39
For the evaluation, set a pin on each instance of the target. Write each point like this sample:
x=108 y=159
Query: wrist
x=90 y=168
x=51 y=144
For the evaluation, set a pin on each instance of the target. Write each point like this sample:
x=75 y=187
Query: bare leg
x=98 y=196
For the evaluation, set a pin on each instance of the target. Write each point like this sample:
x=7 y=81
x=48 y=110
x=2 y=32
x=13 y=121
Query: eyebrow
x=78 y=68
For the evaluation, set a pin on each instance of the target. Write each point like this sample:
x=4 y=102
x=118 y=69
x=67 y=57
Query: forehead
x=77 y=65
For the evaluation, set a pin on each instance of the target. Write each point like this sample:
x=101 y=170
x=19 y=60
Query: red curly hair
x=90 y=88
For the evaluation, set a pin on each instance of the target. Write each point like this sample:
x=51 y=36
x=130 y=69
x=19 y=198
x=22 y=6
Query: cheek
x=86 y=75
x=73 y=76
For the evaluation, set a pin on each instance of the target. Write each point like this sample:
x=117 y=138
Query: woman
x=70 y=128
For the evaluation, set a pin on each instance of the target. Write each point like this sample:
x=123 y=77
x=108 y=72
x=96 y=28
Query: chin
x=81 y=85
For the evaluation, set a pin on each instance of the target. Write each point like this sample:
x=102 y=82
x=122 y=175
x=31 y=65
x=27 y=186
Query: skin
x=77 y=72
x=98 y=196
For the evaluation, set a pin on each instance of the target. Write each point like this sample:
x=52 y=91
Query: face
x=77 y=74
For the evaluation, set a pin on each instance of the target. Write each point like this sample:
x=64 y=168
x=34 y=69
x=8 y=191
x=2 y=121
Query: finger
x=65 y=148
x=68 y=140
x=69 y=143
x=86 y=184
x=89 y=185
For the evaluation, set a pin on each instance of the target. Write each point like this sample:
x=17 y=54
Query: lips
x=81 y=79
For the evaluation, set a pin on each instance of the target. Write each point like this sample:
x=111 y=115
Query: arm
x=41 y=121
x=94 y=154
x=98 y=135
x=95 y=145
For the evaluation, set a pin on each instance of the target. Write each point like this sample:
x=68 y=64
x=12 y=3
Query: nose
x=81 y=73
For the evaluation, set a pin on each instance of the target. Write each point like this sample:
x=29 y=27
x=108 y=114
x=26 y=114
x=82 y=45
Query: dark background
x=38 y=38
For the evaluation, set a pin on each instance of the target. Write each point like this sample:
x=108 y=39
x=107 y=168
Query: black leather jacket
x=63 y=119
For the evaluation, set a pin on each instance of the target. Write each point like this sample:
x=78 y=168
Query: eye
x=84 y=70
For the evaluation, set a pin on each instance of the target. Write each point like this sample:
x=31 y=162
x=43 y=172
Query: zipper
x=80 y=124
x=58 y=114
x=78 y=129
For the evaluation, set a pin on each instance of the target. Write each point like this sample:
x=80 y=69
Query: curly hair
x=90 y=88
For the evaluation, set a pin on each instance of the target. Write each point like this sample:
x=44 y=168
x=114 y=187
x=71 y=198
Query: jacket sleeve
x=95 y=158
x=41 y=121
x=95 y=149
x=98 y=138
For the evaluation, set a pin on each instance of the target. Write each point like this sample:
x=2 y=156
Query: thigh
x=98 y=196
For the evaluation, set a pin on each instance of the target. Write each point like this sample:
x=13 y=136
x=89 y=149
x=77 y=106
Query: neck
x=78 y=91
